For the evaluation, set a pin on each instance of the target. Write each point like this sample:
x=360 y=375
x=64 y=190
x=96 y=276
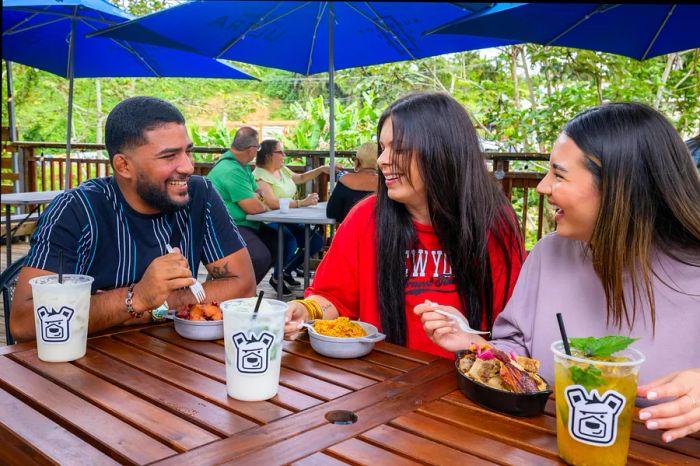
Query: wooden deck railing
x=44 y=164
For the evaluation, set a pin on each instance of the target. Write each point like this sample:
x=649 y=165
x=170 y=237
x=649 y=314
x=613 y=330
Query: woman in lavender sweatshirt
x=625 y=259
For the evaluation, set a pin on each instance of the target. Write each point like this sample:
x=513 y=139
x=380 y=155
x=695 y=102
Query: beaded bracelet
x=129 y=301
x=312 y=308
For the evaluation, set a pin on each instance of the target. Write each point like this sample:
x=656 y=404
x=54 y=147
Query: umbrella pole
x=331 y=91
x=10 y=102
x=69 y=123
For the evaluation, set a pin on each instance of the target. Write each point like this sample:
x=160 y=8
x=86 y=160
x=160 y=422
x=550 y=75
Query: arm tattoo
x=220 y=272
x=325 y=307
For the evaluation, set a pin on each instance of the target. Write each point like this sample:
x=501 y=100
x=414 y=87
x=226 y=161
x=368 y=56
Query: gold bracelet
x=313 y=308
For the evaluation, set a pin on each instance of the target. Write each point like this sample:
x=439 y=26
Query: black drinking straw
x=60 y=266
x=562 y=330
x=257 y=304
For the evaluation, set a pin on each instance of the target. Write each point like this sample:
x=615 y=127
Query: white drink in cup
x=284 y=204
x=61 y=313
x=253 y=346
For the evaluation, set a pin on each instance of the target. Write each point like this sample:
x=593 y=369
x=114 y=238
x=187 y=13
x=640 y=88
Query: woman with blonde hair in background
x=353 y=187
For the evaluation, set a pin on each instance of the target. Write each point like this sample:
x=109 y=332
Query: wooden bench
x=21 y=224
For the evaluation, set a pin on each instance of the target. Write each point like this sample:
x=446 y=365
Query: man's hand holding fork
x=163 y=276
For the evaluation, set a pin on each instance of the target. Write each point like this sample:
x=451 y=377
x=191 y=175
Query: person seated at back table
x=439 y=228
x=233 y=179
x=276 y=181
x=625 y=259
x=353 y=187
x=116 y=229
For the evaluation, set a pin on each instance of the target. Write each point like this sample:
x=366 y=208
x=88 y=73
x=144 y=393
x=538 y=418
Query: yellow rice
x=340 y=327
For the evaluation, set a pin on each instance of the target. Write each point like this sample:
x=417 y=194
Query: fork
x=196 y=288
x=461 y=321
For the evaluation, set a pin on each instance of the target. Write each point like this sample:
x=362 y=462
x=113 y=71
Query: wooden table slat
x=354 y=366
x=126 y=443
x=391 y=361
x=311 y=386
x=294 y=425
x=328 y=434
x=193 y=382
x=422 y=449
x=213 y=364
x=211 y=349
x=157 y=422
x=460 y=438
x=209 y=366
x=325 y=372
x=364 y=453
x=406 y=353
x=319 y=459
x=48 y=442
x=196 y=409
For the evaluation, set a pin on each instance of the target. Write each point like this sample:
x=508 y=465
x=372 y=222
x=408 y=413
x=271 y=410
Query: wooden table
x=148 y=396
x=36 y=198
x=310 y=215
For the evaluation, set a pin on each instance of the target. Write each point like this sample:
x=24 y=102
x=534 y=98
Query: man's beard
x=157 y=196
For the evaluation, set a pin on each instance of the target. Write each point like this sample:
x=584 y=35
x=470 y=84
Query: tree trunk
x=99 y=117
x=670 y=60
x=531 y=91
x=514 y=74
x=528 y=80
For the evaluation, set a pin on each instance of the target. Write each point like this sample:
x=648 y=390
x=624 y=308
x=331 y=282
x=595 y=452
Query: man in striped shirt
x=117 y=229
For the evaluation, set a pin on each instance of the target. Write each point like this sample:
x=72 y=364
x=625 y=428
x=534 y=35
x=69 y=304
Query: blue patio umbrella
x=306 y=37
x=639 y=31
x=50 y=35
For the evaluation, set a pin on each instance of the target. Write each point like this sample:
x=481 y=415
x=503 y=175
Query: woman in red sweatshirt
x=439 y=228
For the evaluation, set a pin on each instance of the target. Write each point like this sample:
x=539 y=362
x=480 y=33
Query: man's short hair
x=128 y=122
x=244 y=138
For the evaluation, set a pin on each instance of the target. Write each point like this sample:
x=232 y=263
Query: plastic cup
x=595 y=404
x=253 y=345
x=61 y=314
x=284 y=205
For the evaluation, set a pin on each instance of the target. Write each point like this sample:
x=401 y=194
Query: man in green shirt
x=233 y=179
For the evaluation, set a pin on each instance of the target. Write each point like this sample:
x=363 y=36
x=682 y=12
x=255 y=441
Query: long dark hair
x=650 y=197
x=465 y=204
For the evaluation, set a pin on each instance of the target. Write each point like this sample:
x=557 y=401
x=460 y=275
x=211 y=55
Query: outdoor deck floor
x=21 y=248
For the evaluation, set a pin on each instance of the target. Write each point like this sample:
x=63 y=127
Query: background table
x=148 y=396
x=20 y=199
x=311 y=215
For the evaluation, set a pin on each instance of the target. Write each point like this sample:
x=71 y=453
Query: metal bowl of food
x=199 y=322
x=344 y=347
x=505 y=383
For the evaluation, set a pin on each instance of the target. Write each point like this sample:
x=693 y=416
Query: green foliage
x=355 y=123
x=590 y=377
x=564 y=82
x=603 y=346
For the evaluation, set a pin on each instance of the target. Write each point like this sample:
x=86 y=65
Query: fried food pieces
x=210 y=311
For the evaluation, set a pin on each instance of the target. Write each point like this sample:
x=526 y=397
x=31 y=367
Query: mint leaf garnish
x=590 y=377
x=604 y=346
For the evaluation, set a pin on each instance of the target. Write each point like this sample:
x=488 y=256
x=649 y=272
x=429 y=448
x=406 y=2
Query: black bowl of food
x=502 y=382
